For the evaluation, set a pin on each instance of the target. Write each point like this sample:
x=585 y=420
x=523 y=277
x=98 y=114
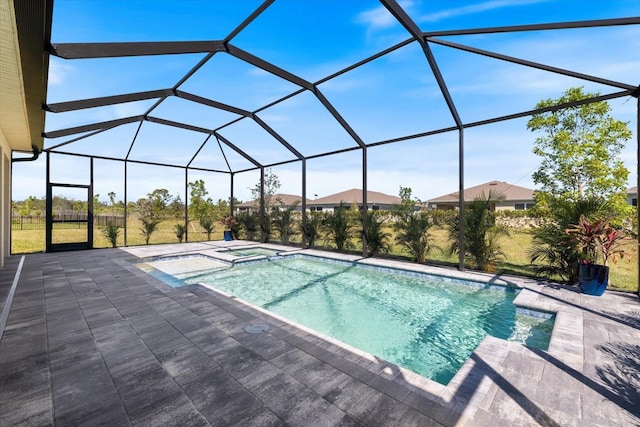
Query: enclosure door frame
x=84 y=219
x=50 y=220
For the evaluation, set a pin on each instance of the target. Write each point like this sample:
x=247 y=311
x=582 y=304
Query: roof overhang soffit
x=26 y=29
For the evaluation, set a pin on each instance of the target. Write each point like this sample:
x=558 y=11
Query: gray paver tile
x=315 y=374
x=31 y=409
x=107 y=410
x=261 y=417
x=220 y=398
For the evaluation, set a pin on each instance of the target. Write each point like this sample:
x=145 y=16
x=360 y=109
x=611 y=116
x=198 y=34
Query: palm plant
x=311 y=229
x=111 y=231
x=413 y=233
x=377 y=236
x=338 y=227
x=208 y=222
x=481 y=234
x=265 y=227
x=556 y=248
x=283 y=221
x=149 y=226
x=179 y=229
x=249 y=222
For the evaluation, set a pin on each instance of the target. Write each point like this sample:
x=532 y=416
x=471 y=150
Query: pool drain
x=257 y=328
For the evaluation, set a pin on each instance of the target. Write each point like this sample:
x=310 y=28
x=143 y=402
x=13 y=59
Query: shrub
x=481 y=234
x=556 y=248
x=208 y=222
x=376 y=236
x=179 y=229
x=283 y=221
x=311 y=230
x=413 y=233
x=111 y=231
x=149 y=226
x=338 y=227
x=249 y=224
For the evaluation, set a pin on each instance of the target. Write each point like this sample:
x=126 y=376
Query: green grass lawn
x=623 y=274
x=30 y=241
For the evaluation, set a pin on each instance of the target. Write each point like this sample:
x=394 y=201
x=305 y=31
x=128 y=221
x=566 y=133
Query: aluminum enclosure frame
x=425 y=39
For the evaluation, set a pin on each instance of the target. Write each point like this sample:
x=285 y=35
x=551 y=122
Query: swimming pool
x=428 y=324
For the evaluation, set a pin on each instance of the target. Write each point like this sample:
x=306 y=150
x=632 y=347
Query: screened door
x=71 y=226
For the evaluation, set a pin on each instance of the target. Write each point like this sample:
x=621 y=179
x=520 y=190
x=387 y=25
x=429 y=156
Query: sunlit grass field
x=623 y=274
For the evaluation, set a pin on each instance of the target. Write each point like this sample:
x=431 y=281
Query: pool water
x=423 y=323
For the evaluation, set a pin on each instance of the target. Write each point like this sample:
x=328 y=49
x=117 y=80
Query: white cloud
x=473 y=9
x=376 y=19
x=59 y=72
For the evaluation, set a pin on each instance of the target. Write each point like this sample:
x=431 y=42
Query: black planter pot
x=593 y=278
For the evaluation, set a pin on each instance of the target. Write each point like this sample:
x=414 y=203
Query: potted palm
x=597 y=241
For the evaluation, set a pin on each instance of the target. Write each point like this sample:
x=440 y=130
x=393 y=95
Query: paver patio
x=90 y=339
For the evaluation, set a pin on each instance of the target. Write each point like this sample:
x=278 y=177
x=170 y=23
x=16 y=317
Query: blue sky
x=394 y=96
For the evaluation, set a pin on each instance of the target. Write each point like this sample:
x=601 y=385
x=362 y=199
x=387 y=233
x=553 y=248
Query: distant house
x=375 y=201
x=514 y=197
x=278 y=201
x=632 y=196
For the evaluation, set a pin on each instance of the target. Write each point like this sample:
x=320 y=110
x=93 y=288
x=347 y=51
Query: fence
x=40 y=223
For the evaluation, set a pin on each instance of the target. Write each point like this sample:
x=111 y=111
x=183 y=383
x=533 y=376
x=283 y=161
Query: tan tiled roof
x=355 y=196
x=632 y=190
x=350 y=196
x=277 y=199
x=504 y=189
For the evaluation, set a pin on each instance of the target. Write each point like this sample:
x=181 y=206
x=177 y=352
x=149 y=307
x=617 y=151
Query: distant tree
x=79 y=205
x=112 y=197
x=221 y=208
x=159 y=202
x=580 y=150
x=175 y=209
x=407 y=203
x=202 y=207
x=29 y=205
x=98 y=206
x=271 y=187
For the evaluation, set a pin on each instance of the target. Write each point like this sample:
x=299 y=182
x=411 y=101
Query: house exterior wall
x=504 y=206
x=518 y=205
x=5 y=199
x=320 y=207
